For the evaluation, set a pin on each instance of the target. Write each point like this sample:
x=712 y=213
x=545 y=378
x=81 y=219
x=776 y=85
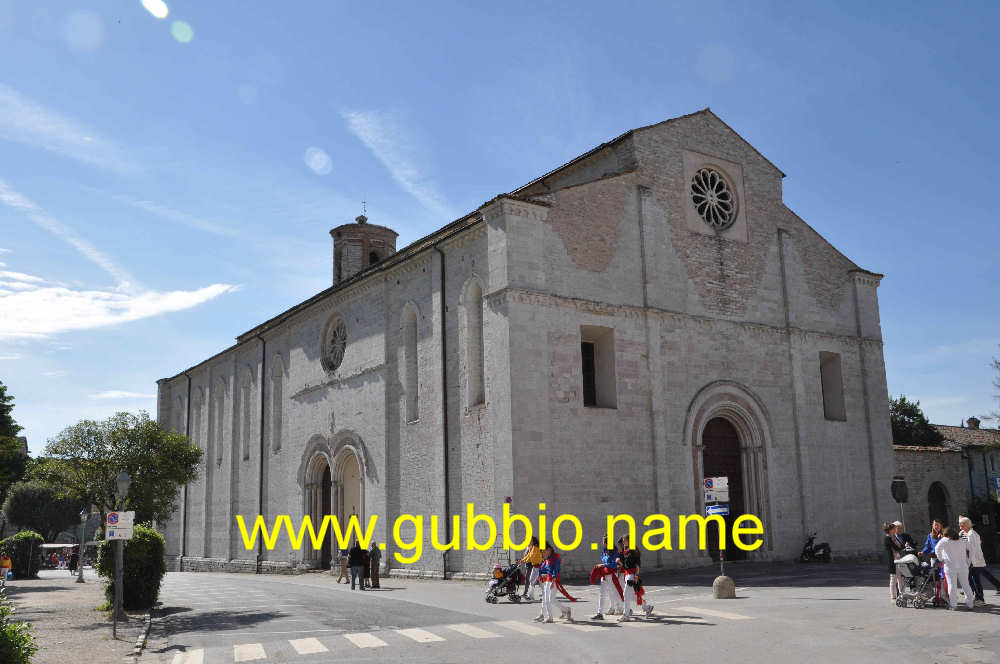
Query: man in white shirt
x=954 y=555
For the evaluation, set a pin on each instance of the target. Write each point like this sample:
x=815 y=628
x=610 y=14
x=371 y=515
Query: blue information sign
x=721 y=510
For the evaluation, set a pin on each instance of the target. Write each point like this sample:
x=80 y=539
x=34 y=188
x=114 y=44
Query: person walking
x=608 y=597
x=953 y=553
x=356 y=561
x=342 y=554
x=977 y=562
x=374 y=558
x=74 y=560
x=632 y=591
x=548 y=573
x=532 y=560
x=5 y=566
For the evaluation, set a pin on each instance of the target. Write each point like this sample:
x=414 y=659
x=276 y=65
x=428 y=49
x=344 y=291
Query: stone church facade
x=598 y=340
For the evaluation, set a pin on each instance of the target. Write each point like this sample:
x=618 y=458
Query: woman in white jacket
x=954 y=555
x=977 y=562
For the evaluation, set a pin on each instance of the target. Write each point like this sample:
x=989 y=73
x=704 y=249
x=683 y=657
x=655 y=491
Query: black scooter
x=815 y=553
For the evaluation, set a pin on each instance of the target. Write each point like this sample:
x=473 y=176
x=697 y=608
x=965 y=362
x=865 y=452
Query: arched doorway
x=319 y=501
x=722 y=457
x=937 y=503
x=349 y=494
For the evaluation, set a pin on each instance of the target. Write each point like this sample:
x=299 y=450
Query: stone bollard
x=723 y=588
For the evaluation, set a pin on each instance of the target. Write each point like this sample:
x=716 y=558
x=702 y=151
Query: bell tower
x=359 y=245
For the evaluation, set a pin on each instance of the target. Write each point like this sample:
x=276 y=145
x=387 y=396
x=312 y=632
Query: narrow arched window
x=247 y=418
x=277 y=373
x=410 y=364
x=220 y=421
x=474 y=347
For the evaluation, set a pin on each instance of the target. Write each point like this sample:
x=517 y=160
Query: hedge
x=145 y=567
x=25 y=551
x=17 y=644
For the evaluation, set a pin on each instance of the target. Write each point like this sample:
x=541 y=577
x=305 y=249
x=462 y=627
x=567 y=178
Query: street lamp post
x=83 y=545
x=122 y=483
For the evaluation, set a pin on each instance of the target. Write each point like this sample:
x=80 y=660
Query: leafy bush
x=25 y=551
x=145 y=566
x=17 y=645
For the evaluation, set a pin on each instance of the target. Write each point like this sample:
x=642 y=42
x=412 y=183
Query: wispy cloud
x=4 y=251
x=391 y=145
x=35 y=308
x=10 y=356
x=55 y=374
x=178 y=216
x=120 y=394
x=17 y=201
x=24 y=120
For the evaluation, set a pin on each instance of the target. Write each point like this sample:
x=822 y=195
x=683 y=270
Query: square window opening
x=597 y=363
x=832 y=380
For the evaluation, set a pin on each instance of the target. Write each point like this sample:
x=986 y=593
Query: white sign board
x=716 y=483
x=120 y=533
x=120 y=520
x=717 y=496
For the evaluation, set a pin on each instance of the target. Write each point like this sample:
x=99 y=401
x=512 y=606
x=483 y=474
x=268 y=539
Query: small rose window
x=334 y=344
x=714 y=198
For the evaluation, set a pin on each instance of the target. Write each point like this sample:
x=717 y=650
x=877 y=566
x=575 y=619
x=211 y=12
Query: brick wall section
x=921 y=467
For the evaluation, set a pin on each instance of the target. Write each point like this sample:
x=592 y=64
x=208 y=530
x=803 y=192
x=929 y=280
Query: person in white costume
x=953 y=553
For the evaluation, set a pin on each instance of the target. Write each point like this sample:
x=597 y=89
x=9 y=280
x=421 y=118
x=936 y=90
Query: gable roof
x=628 y=134
x=966 y=437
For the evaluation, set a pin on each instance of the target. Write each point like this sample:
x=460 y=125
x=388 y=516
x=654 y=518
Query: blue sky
x=166 y=184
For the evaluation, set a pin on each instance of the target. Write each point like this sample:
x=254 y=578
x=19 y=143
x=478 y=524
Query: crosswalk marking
x=419 y=635
x=365 y=640
x=473 y=631
x=196 y=656
x=524 y=628
x=308 y=646
x=584 y=627
x=246 y=652
x=714 y=613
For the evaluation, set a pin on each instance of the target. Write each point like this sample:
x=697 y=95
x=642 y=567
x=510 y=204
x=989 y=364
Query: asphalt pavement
x=783 y=613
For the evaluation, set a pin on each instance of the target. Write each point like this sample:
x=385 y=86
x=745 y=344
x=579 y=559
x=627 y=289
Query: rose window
x=713 y=198
x=334 y=343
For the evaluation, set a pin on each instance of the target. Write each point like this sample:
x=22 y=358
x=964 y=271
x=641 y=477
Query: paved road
x=836 y=613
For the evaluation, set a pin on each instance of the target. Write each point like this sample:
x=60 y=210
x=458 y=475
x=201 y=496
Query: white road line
x=714 y=613
x=584 y=627
x=196 y=656
x=473 y=631
x=524 y=628
x=419 y=635
x=365 y=640
x=246 y=652
x=309 y=646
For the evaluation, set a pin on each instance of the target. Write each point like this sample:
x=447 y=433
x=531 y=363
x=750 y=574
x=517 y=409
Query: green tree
x=12 y=458
x=8 y=427
x=84 y=460
x=910 y=425
x=37 y=506
x=142 y=572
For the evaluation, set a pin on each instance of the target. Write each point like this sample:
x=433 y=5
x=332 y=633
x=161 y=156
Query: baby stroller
x=918 y=587
x=505 y=581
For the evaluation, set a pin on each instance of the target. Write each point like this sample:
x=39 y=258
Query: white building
x=599 y=340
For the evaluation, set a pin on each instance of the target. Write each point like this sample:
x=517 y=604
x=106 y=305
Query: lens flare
x=181 y=31
x=83 y=30
x=318 y=160
x=157 y=8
